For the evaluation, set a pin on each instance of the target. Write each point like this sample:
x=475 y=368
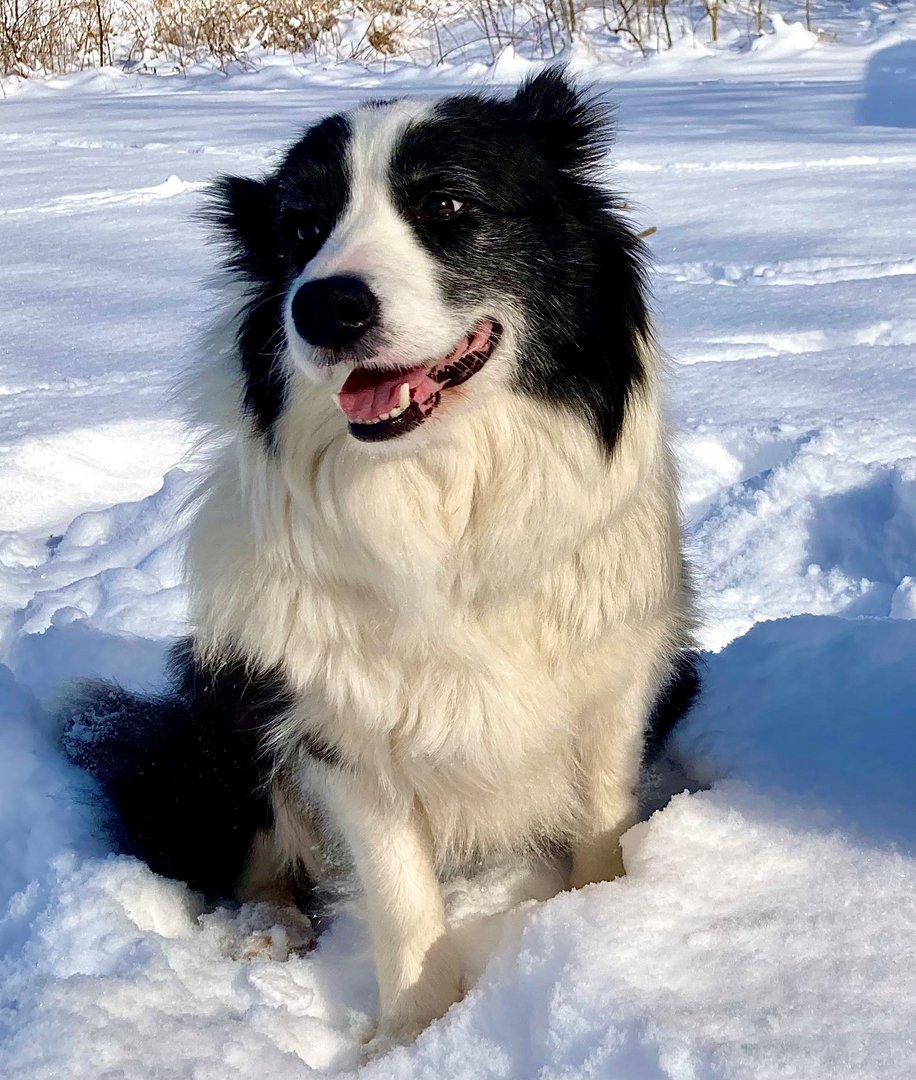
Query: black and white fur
x=448 y=636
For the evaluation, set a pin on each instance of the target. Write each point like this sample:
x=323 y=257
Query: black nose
x=334 y=312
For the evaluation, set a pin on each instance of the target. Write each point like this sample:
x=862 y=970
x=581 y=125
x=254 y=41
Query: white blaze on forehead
x=372 y=241
x=370 y=219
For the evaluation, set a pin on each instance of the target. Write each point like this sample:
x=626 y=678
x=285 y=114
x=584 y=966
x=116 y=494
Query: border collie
x=440 y=613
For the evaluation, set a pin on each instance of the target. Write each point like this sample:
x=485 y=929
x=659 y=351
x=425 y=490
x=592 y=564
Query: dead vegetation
x=45 y=36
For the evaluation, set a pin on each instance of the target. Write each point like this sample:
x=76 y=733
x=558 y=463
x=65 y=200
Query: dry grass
x=60 y=35
x=63 y=35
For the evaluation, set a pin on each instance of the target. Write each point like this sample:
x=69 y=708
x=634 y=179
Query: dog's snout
x=334 y=312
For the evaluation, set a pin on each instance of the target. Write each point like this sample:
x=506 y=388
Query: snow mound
x=818 y=533
x=724 y=953
x=787 y=39
x=103 y=598
x=890 y=87
x=820 y=713
x=903 y=602
x=44 y=807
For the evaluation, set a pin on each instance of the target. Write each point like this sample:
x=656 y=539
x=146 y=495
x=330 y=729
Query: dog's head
x=410 y=248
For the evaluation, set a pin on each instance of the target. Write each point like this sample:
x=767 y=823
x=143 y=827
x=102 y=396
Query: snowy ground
x=767 y=927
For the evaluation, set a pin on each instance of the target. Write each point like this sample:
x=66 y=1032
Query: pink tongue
x=368 y=393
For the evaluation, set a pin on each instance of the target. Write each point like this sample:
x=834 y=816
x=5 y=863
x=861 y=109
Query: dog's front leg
x=419 y=974
x=612 y=736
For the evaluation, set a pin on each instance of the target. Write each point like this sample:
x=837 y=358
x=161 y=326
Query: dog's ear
x=570 y=128
x=242 y=211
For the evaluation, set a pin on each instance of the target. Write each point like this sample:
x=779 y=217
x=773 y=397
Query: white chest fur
x=445 y=617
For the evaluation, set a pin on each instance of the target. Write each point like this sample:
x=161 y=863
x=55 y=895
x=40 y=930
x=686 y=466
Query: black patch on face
x=538 y=232
x=270 y=229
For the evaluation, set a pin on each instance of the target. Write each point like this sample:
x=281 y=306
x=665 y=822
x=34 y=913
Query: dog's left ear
x=571 y=129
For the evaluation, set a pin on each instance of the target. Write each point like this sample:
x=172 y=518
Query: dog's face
x=387 y=282
x=415 y=255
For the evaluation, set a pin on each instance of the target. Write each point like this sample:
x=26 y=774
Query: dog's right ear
x=242 y=211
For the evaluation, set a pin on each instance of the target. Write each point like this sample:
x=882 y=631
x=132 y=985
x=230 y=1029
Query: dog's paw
x=283 y=932
x=262 y=932
x=380 y=1044
x=427 y=1001
x=393 y=1033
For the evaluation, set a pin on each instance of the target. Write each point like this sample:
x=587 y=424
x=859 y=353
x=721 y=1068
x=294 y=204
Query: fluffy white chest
x=445 y=617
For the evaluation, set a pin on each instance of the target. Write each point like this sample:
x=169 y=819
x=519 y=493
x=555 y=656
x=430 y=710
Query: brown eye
x=440 y=206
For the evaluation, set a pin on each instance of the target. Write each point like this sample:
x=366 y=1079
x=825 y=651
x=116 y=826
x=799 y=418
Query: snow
x=766 y=928
x=786 y=39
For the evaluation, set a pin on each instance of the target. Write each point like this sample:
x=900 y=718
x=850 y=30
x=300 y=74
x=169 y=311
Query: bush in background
x=44 y=36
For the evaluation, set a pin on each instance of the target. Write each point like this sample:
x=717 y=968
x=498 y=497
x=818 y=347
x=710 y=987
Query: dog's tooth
x=385 y=416
x=404 y=396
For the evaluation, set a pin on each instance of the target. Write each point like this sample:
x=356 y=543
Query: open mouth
x=382 y=403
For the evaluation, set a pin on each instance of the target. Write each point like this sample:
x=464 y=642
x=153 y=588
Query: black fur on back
x=184 y=772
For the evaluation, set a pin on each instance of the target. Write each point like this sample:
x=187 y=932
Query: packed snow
x=767 y=925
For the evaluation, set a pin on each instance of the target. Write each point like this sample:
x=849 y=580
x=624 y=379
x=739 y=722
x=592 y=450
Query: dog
x=440 y=613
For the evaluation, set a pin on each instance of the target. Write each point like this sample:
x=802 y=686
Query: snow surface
x=767 y=926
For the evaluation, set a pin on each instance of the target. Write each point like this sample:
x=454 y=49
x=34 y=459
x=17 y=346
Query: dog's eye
x=306 y=232
x=440 y=206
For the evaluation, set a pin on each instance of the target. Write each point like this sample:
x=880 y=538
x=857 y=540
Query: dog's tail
x=667 y=769
x=185 y=781
x=675 y=700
